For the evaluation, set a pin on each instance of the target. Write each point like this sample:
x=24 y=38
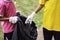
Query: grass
x=1 y=34
x=27 y=7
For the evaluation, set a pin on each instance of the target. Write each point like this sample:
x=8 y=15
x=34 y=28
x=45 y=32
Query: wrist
x=33 y=13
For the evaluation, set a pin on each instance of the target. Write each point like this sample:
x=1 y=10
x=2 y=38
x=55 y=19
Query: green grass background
x=27 y=7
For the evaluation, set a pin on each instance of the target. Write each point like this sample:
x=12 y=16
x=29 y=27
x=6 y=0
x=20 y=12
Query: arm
x=10 y=19
x=4 y=19
x=39 y=7
x=30 y=17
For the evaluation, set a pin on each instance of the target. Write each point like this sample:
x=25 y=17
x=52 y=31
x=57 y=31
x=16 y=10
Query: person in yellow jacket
x=51 y=18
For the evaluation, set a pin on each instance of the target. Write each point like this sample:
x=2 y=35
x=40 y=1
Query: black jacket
x=24 y=31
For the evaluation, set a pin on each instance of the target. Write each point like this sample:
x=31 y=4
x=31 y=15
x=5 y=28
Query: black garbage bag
x=24 y=31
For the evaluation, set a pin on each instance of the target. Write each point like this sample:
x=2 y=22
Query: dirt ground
x=40 y=34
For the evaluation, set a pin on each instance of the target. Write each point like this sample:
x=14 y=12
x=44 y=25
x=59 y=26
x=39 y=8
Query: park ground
x=40 y=34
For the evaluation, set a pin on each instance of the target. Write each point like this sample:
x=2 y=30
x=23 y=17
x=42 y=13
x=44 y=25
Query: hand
x=13 y=19
x=30 y=18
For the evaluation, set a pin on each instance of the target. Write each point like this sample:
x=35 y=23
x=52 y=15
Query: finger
x=31 y=22
x=27 y=21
